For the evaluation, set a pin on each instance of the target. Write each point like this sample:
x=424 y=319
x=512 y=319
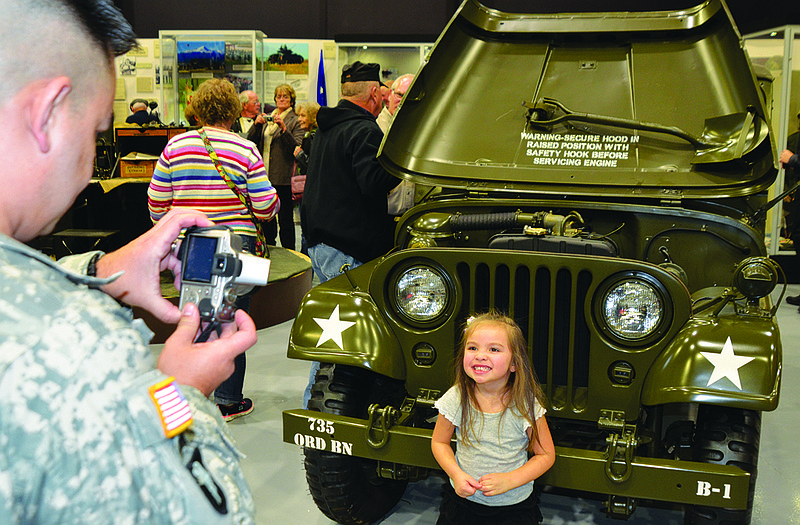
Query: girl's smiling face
x=487 y=357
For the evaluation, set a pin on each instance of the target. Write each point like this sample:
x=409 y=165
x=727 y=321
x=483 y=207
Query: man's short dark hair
x=104 y=23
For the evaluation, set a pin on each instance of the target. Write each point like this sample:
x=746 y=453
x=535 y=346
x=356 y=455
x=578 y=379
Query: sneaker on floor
x=794 y=300
x=231 y=412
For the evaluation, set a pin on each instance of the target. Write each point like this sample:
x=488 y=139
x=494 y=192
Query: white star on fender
x=332 y=328
x=726 y=364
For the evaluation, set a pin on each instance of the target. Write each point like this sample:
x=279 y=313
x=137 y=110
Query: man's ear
x=48 y=100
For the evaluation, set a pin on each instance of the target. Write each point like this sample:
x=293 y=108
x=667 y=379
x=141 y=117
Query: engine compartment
x=702 y=248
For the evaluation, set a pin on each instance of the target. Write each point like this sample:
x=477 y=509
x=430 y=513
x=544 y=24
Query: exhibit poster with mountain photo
x=201 y=56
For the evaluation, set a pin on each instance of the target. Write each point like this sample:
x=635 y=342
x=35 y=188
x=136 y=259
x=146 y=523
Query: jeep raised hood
x=646 y=104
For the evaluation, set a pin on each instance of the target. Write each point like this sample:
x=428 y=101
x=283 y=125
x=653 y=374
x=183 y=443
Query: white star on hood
x=726 y=364
x=332 y=328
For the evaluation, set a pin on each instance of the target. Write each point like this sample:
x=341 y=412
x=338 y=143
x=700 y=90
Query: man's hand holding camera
x=142 y=261
x=201 y=365
x=205 y=365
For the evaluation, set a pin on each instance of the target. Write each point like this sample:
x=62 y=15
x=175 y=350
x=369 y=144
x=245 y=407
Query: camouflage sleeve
x=210 y=435
x=199 y=468
x=85 y=433
x=125 y=467
x=78 y=263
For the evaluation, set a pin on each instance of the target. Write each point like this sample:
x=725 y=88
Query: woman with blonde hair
x=276 y=136
x=307 y=115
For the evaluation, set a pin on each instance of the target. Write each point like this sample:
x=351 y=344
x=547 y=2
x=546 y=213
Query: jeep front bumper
x=675 y=481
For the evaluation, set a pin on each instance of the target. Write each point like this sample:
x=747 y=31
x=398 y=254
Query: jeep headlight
x=632 y=309
x=421 y=293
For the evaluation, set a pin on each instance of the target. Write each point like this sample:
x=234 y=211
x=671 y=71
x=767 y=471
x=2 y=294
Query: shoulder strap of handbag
x=245 y=199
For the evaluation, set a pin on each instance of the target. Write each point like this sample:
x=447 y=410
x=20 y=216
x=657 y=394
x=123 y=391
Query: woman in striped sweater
x=185 y=176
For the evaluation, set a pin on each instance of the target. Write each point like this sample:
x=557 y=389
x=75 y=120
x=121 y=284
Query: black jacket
x=302 y=155
x=140 y=117
x=344 y=201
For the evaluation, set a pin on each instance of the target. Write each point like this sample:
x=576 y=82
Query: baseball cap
x=360 y=72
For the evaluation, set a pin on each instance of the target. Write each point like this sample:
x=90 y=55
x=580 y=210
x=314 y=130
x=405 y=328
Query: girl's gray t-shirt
x=498 y=443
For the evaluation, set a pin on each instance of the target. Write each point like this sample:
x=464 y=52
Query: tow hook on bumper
x=621 y=445
x=386 y=417
x=619 y=452
x=619 y=460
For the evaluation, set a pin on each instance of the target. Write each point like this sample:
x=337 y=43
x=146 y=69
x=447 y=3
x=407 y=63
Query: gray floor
x=275 y=472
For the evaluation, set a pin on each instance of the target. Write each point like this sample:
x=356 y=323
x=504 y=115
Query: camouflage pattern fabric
x=81 y=440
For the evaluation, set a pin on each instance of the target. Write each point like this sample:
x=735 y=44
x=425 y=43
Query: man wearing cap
x=344 y=214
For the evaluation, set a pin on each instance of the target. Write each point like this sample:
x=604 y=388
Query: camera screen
x=199 y=258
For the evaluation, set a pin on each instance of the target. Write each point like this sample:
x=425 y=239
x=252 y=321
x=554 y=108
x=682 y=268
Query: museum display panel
x=190 y=57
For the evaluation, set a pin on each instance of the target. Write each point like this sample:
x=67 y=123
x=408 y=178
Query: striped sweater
x=186 y=176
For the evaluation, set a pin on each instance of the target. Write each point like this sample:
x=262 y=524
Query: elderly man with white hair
x=401 y=198
x=140 y=114
x=399 y=88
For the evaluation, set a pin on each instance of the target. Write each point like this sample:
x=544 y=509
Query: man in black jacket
x=139 y=115
x=344 y=214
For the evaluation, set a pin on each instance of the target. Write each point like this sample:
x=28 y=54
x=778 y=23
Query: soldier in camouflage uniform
x=92 y=429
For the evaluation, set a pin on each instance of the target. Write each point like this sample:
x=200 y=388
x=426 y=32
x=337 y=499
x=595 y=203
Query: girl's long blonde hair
x=522 y=388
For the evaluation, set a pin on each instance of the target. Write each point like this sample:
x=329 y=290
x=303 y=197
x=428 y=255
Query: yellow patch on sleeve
x=172 y=407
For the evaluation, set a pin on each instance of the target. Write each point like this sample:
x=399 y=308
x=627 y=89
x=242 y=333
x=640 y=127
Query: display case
x=188 y=58
x=138 y=148
x=773 y=51
x=395 y=59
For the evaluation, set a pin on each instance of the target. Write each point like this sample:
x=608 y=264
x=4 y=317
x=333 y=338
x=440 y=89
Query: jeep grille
x=549 y=305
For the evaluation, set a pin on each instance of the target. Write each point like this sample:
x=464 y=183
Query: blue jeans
x=327 y=262
x=230 y=391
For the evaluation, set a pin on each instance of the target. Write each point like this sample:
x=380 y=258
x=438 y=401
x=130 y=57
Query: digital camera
x=215 y=271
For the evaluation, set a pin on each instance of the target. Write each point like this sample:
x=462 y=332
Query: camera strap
x=262 y=249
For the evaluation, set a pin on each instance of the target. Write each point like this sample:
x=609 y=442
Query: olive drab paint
x=602 y=179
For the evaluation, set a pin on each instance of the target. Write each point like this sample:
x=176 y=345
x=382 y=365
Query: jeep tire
x=726 y=436
x=347 y=489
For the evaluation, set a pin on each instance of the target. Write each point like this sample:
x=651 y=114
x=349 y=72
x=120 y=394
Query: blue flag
x=322 y=96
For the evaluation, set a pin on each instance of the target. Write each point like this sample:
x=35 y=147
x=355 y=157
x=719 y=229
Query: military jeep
x=603 y=179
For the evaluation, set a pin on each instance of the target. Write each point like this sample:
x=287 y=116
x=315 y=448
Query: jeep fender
x=343 y=326
x=732 y=361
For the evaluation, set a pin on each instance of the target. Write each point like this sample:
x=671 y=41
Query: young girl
x=503 y=441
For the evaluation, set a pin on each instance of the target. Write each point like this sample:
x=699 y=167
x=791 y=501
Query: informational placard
x=579 y=150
